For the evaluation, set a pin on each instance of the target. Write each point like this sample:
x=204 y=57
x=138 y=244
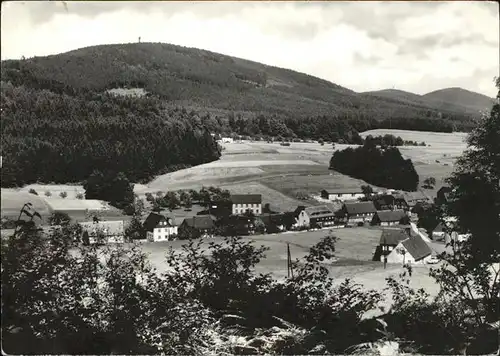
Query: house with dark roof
x=342 y=194
x=203 y=224
x=414 y=198
x=159 y=227
x=103 y=231
x=316 y=216
x=443 y=195
x=242 y=203
x=273 y=222
x=390 y=202
x=413 y=250
x=388 y=217
x=358 y=212
x=389 y=239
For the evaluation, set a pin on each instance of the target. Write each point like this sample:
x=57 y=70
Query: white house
x=227 y=140
x=320 y=216
x=413 y=250
x=103 y=231
x=344 y=194
x=159 y=228
x=242 y=203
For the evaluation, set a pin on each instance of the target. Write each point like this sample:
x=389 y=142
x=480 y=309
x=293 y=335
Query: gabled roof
x=439 y=228
x=414 y=197
x=154 y=219
x=246 y=199
x=318 y=211
x=108 y=228
x=344 y=191
x=417 y=247
x=360 y=207
x=393 y=236
x=390 y=215
x=201 y=221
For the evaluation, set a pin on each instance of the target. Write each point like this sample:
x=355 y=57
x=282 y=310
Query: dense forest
x=51 y=137
x=382 y=167
x=200 y=79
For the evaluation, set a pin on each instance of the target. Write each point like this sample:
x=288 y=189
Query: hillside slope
x=196 y=78
x=470 y=101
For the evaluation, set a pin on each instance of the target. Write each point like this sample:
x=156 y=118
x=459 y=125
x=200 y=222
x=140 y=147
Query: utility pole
x=289 y=261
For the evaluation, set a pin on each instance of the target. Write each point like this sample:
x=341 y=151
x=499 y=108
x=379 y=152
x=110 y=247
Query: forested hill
x=201 y=79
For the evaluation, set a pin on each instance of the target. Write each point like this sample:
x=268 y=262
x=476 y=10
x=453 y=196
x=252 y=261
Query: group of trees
x=381 y=167
x=391 y=140
x=186 y=198
x=51 y=137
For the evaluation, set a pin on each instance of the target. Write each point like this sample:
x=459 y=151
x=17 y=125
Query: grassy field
x=277 y=172
x=354 y=251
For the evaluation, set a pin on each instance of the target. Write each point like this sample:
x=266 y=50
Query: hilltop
x=200 y=79
x=470 y=101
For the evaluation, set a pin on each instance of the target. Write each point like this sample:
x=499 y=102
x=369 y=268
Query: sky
x=412 y=46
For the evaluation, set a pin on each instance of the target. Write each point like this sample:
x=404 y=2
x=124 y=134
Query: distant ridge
x=201 y=79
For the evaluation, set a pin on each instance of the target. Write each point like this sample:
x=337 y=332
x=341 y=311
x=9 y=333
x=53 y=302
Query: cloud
x=415 y=46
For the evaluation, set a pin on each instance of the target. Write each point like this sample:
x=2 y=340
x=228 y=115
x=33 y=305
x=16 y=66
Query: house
x=236 y=225
x=444 y=232
x=388 y=217
x=389 y=239
x=316 y=216
x=358 y=212
x=439 y=232
x=413 y=198
x=103 y=231
x=443 y=195
x=390 y=202
x=413 y=250
x=227 y=140
x=242 y=203
x=273 y=222
x=159 y=228
x=204 y=224
x=342 y=194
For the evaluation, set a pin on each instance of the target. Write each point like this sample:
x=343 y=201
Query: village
x=388 y=214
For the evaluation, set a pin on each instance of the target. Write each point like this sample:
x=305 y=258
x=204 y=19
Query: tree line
x=50 y=137
x=383 y=167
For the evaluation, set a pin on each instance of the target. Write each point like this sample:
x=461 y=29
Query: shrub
x=33 y=191
x=48 y=194
x=63 y=195
x=79 y=196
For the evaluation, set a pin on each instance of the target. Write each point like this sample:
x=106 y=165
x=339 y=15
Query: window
x=339 y=195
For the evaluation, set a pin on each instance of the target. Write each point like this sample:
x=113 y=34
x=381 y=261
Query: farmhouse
x=102 y=231
x=413 y=198
x=413 y=250
x=388 y=241
x=344 y=194
x=359 y=212
x=204 y=224
x=390 y=202
x=388 y=217
x=273 y=222
x=443 y=195
x=159 y=228
x=316 y=216
x=246 y=202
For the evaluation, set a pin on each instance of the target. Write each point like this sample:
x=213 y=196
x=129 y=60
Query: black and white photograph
x=250 y=177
